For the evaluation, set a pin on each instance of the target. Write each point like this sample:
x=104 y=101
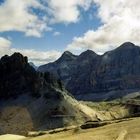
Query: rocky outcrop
x=18 y=77
x=116 y=70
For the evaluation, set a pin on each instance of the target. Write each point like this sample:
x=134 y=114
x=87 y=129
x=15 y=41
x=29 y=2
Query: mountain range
x=32 y=100
x=90 y=76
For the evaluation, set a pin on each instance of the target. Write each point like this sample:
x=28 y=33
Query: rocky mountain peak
x=126 y=51
x=17 y=76
x=127 y=46
x=68 y=53
x=15 y=58
x=13 y=63
x=67 y=56
x=88 y=54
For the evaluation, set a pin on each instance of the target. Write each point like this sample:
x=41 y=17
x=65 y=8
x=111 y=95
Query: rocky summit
x=89 y=73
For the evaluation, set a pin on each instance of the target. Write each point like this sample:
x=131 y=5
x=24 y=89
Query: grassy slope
x=127 y=130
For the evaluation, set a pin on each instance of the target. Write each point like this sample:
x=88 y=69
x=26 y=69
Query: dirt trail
x=122 y=135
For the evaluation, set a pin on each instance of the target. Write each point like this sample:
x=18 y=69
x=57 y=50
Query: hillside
x=31 y=100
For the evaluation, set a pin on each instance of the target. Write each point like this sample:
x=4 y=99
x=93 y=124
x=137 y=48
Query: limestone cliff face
x=118 y=69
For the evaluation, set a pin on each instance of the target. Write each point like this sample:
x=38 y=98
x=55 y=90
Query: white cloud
x=38 y=57
x=121 y=23
x=66 y=11
x=4 y=45
x=56 y=33
x=17 y=15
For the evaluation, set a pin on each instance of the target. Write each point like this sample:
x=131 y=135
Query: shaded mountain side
x=89 y=73
x=60 y=68
x=31 y=100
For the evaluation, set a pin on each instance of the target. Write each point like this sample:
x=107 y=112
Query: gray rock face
x=118 y=69
x=62 y=67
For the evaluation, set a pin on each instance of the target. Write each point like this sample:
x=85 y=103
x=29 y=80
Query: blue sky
x=49 y=41
x=44 y=29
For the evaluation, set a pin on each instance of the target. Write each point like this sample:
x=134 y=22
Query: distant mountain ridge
x=115 y=70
